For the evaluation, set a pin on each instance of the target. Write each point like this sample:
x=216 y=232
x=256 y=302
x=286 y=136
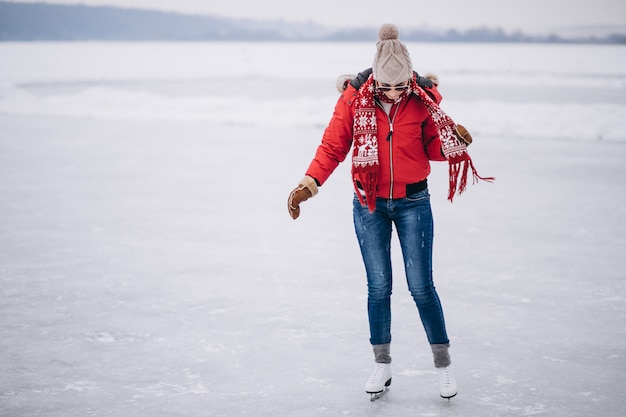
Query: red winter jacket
x=403 y=160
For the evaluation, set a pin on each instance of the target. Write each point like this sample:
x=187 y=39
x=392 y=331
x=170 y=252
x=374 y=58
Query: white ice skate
x=379 y=382
x=447 y=384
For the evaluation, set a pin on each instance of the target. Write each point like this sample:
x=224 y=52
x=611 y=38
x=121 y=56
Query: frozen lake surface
x=148 y=266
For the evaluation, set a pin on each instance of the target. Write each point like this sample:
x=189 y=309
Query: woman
x=390 y=119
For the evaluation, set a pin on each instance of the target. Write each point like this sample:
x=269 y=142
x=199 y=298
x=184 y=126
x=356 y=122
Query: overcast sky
x=511 y=15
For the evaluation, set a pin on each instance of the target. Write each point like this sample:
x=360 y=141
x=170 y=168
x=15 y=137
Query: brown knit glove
x=463 y=135
x=305 y=190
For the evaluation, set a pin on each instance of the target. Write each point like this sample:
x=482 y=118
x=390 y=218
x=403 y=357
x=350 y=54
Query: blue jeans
x=412 y=217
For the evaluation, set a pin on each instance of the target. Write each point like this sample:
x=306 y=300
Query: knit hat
x=392 y=63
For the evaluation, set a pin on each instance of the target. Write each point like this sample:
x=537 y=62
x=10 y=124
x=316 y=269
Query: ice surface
x=148 y=265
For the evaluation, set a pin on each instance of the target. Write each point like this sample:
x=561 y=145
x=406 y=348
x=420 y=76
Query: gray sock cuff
x=441 y=356
x=382 y=353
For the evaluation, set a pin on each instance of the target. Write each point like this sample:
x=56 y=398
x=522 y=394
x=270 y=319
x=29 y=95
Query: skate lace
x=379 y=373
x=445 y=379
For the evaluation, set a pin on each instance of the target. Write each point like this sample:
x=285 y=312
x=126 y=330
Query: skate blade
x=377 y=395
x=450 y=397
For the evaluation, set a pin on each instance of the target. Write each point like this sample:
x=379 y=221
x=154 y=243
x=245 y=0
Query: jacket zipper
x=390 y=140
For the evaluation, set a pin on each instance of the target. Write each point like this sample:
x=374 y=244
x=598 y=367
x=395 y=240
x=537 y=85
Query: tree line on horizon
x=53 y=22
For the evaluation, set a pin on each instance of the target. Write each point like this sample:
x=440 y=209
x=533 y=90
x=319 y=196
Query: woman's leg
x=373 y=231
x=414 y=222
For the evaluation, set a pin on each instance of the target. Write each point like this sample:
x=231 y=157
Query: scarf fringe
x=458 y=169
x=368 y=181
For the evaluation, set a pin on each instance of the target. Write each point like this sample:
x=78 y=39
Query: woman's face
x=392 y=91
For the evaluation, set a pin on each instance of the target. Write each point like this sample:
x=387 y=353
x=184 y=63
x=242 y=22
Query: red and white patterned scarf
x=365 y=152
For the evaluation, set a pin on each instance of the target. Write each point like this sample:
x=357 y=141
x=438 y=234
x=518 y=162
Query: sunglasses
x=398 y=87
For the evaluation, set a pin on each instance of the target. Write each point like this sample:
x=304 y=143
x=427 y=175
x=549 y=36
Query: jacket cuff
x=309 y=182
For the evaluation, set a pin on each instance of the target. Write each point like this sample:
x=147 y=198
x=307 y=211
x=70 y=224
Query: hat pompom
x=388 y=31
